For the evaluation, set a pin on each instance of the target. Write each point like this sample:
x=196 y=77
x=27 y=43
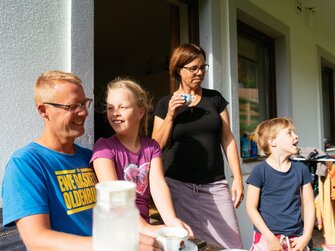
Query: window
x=256 y=77
x=328 y=106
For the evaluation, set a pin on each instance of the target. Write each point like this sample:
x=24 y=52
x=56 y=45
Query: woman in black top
x=191 y=137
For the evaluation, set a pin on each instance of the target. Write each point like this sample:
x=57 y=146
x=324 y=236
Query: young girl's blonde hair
x=141 y=98
x=270 y=129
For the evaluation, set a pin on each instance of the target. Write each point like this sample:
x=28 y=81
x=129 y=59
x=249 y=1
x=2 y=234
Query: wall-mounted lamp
x=298 y=7
x=310 y=17
x=308 y=8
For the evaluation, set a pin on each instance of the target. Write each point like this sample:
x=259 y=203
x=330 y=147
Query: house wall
x=306 y=38
x=303 y=43
x=299 y=45
x=36 y=36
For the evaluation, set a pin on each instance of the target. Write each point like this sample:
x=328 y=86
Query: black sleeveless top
x=194 y=153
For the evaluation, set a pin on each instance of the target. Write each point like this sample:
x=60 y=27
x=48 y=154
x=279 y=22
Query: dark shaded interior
x=132 y=38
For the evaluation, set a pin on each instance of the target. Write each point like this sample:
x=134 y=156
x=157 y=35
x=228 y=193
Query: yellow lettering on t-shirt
x=61 y=183
x=67 y=200
x=79 y=181
x=78 y=188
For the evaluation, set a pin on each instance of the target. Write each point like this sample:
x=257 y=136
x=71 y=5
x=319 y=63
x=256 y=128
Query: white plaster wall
x=36 y=36
x=82 y=57
x=305 y=68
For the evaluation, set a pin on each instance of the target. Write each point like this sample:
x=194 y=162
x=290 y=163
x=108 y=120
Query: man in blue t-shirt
x=49 y=188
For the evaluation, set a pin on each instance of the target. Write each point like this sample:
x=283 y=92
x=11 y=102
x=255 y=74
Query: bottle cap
x=117 y=192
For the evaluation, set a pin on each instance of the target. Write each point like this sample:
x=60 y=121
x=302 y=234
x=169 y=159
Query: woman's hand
x=237 y=191
x=175 y=102
x=162 y=128
x=175 y=222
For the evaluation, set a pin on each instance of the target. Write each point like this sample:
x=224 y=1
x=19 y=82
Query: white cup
x=188 y=98
x=172 y=238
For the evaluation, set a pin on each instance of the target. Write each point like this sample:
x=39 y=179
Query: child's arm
x=161 y=195
x=148 y=229
x=104 y=169
x=309 y=218
x=252 y=210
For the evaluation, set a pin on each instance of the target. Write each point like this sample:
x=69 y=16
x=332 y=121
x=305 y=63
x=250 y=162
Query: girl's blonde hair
x=270 y=129
x=141 y=98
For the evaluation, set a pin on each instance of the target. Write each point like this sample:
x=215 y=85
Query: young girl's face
x=122 y=112
x=287 y=141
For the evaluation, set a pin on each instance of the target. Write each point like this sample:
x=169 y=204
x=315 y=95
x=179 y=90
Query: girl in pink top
x=129 y=155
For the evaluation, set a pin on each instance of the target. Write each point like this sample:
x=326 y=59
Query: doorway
x=328 y=106
x=135 y=38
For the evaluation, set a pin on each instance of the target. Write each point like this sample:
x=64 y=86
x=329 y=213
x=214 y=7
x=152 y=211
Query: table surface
x=155 y=219
x=210 y=248
x=203 y=246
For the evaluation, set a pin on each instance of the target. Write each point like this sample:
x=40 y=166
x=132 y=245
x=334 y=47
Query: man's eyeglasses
x=195 y=69
x=72 y=107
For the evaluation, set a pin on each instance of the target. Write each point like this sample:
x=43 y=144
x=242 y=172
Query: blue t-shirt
x=39 y=180
x=280 y=201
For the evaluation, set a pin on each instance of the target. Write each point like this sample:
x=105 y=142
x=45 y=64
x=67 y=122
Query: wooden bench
x=10 y=237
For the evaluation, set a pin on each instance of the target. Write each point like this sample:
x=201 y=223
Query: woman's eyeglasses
x=195 y=69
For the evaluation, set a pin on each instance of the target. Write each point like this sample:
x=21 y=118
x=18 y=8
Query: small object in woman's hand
x=188 y=98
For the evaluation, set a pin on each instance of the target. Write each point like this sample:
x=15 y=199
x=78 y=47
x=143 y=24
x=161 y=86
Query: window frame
x=329 y=71
x=268 y=43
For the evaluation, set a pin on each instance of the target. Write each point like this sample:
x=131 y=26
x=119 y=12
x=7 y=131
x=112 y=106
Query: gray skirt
x=209 y=211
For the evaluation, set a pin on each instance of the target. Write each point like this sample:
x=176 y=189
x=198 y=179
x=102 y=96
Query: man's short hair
x=44 y=86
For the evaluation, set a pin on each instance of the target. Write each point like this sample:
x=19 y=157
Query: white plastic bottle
x=115 y=217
